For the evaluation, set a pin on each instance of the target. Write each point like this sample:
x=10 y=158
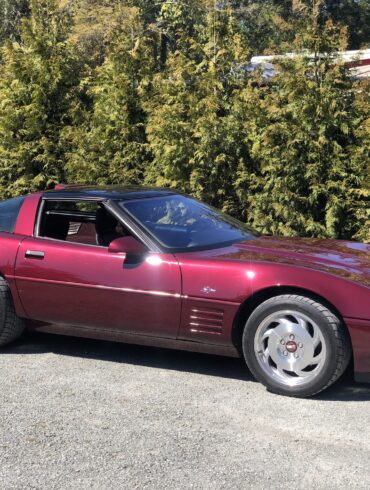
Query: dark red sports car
x=155 y=267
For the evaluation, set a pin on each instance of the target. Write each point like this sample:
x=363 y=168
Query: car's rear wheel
x=295 y=346
x=11 y=326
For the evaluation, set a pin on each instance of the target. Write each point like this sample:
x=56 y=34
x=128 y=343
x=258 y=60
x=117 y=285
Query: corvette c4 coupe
x=155 y=267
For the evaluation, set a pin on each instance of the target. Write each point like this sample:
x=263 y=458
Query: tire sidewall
x=3 y=303
x=330 y=363
x=11 y=326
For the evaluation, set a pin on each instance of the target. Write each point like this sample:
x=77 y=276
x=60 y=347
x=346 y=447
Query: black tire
x=11 y=326
x=316 y=357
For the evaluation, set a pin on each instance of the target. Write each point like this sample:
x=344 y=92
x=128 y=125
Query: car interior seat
x=105 y=227
x=56 y=226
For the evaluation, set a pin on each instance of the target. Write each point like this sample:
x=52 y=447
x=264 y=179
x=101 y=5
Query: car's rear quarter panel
x=9 y=246
x=10 y=242
x=25 y=224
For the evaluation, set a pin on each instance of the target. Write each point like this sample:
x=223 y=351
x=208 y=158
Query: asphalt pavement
x=84 y=414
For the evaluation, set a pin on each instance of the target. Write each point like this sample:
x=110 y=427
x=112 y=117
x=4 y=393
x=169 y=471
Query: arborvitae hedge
x=39 y=79
x=165 y=97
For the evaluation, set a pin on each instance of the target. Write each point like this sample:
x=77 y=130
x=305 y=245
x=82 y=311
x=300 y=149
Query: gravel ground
x=81 y=414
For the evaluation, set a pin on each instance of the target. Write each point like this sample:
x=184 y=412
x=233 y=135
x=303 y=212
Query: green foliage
x=264 y=26
x=38 y=84
x=133 y=91
x=170 y=123
x=112 y=147
x=355 y=14
x=310 y=143
x=11 y=13
x=93 y=20
x=192 y=130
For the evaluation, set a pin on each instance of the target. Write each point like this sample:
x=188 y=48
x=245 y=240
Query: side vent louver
x=207 y=320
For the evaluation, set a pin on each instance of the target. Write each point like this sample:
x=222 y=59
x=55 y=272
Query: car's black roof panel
x=106 y=192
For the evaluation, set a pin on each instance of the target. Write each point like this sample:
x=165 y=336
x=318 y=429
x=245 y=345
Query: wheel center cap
x=291 y=346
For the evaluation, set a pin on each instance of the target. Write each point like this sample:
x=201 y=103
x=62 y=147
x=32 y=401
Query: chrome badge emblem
x=208 y=290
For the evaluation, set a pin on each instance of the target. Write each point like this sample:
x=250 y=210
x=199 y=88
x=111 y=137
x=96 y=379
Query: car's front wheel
x=295 y=346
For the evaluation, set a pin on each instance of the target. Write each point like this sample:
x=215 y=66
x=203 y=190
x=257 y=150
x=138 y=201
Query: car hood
x=350 y=260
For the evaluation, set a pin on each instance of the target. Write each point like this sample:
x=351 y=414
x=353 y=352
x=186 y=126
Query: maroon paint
x=128 y=244
x=235 y=272
x=360 y=336
x=9 y=245
x=87 y=290
x=89 y=286
x=26 y=219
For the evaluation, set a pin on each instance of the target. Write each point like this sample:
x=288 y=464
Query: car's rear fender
x=9 y=246
x=10 y=242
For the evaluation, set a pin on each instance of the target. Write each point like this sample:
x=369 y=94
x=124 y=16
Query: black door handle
x=34 y=254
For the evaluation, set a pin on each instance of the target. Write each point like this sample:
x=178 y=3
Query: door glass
x=85 y=222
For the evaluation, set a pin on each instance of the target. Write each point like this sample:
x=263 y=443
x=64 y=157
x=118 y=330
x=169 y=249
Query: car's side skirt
x=131 y=338
x=362 y=377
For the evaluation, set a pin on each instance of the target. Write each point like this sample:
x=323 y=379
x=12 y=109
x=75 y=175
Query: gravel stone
x=84 y=414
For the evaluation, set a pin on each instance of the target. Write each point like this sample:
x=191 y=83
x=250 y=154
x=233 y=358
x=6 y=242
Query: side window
x=9 y=211
x=85 y=222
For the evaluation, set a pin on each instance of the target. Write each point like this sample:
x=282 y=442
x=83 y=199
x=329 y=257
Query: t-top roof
x=70 y=191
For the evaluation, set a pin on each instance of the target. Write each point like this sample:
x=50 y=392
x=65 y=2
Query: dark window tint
x=72 y=221
x=9 y=211
x=83 y=222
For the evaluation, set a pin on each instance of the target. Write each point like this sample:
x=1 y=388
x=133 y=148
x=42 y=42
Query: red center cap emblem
x=291 y=346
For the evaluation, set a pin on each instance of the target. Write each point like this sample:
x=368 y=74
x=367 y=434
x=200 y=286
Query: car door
x=84 y=285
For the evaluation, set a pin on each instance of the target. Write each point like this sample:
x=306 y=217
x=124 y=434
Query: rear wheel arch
x=11 y=326
x=3 y=280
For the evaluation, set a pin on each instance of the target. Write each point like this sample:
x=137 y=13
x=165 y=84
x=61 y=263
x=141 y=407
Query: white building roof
x=358 y=61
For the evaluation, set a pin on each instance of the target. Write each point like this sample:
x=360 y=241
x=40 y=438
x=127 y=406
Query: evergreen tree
x=192 y=130
x=304 y=137
x=93 y=20
x=11 y=14
x=264 y=25
x=220 y=154
x=170 y=123
x=38 y=85
x=355 y=14
x=111 y=147
x=268 y=23
x=166 y=97
x=179 y=23
x=360 y=154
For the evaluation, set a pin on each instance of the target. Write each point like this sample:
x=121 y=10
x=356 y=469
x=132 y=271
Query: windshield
x=180 y=223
